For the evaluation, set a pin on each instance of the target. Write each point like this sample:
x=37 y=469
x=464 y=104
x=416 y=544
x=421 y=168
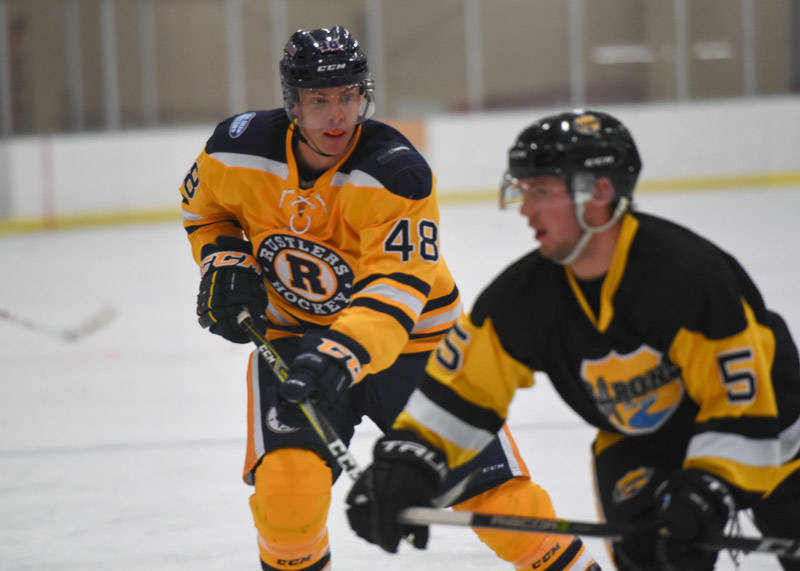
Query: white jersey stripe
x=440 y=319
x=252 y=162
x=277 y=317
x=258 y=434
x=384 y=290
x=748 y=451
x=357 y=178
x=583 y=562
x=790 y=441
x=190 y=216
x=508 y=450
x=444 y=423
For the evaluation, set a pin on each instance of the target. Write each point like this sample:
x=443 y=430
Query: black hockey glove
x=231 y=281
x=406 y=471
x=327 y=364
x=690 y=505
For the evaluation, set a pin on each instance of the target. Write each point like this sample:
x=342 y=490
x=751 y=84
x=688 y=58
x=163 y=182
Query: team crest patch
x=586 y=124
x=637 y=392
x=307 y=274
x=240 y=123
x=631 y=484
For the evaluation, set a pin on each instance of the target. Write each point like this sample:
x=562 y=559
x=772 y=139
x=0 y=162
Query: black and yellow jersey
x=678 y=347
x=357 y=252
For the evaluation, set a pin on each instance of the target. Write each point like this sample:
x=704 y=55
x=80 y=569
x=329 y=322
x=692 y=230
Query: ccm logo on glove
x=230 y=281
x=227 y=260
x=340 y=352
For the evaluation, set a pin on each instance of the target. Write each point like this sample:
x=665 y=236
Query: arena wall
x=95 y=178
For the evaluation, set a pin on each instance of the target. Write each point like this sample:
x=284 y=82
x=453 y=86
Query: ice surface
x=124 y=450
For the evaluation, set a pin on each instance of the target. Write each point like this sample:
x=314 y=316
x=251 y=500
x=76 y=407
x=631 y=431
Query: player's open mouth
x=335 y=132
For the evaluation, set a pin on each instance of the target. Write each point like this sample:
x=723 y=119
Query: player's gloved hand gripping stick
x=318 y=421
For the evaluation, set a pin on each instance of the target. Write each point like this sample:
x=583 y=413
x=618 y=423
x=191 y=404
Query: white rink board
x=139 y=170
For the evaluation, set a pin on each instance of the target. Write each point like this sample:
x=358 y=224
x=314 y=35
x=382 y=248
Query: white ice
x=124 y=450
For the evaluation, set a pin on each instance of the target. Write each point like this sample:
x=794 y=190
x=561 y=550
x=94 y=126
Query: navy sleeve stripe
x=446 y=398
x=404 y=320
x=756 y=427
x=194 y=227
x=443 y=301
x=405 y=279
x=427 y=335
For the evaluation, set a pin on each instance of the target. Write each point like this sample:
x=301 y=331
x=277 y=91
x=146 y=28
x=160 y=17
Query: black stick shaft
x=318 y=421
x=782 y=547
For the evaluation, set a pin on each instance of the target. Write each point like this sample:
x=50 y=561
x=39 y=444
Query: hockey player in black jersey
x=651 y=333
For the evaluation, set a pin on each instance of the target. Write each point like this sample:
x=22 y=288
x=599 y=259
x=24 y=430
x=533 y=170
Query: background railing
x=87 y=65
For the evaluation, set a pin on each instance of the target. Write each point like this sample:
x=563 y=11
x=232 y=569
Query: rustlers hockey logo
x=305 y=273
x=637 y=392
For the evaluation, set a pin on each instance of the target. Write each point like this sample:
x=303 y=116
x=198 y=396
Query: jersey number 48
x=399 y=240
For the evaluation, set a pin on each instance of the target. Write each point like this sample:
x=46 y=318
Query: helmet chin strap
x=583 y=189
x=299 y=132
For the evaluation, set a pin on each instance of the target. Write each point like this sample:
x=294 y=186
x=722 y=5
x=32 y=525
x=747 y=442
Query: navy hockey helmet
x=325 y=58
x=574 y=143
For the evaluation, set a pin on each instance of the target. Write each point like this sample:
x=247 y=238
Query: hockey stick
x=319 y=422
x=94 y=322
x=781 y=547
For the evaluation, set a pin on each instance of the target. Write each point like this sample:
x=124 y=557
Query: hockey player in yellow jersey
x=651 y=333
x=324 y=224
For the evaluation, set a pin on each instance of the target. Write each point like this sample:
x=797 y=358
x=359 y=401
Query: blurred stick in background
x=92 y=323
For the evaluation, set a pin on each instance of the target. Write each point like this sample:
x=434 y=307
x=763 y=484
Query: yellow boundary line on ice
x=765 y=180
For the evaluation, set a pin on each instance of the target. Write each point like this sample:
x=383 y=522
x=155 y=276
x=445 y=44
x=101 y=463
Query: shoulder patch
x=240 y=123
x=257 y=133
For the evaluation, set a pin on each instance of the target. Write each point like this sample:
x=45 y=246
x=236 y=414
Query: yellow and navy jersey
x=357 y=252
x=677 y=347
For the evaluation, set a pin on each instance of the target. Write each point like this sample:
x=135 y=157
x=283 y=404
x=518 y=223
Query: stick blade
x=97 y=320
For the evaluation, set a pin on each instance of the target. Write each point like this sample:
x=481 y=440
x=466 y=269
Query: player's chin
x=549 y=251
x=335 y=141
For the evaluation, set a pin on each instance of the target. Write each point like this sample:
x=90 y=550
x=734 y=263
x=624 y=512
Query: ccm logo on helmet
x=598 y=161
x=331 y=67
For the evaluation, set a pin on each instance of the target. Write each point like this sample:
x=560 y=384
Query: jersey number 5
x=740 y=383
x=399 y=240
x=449 y=353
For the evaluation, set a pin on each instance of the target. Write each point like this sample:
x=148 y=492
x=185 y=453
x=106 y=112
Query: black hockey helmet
x=576 y=142
x=325 y=58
